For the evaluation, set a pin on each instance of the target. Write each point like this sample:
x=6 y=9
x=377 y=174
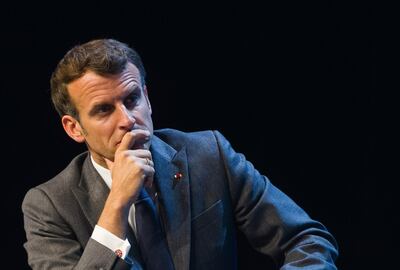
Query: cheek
x=100 y=132
x=145 y=119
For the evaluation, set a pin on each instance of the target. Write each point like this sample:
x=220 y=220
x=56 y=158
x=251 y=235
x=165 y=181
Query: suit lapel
x=91 y=192
x=174 y=198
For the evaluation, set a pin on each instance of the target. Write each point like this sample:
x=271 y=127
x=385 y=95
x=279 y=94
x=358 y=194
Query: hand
x=130 y=170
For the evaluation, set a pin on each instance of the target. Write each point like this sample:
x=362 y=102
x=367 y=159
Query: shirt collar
x=104 y=173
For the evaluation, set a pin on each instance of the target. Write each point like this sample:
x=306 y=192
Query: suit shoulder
x=68 y=177
x=199 y=145
x=176 y=138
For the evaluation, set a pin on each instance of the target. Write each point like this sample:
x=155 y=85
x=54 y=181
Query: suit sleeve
x=51 y=243
x=274 y=224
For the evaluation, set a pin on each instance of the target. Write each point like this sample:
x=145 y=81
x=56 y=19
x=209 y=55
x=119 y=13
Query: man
x=162 y=200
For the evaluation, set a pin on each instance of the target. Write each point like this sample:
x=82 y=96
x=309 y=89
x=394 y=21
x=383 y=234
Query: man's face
x=108 y=107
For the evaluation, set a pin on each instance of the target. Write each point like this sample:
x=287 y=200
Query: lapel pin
x=178 y=176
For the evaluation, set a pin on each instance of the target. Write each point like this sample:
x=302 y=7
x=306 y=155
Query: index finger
x=130 y=138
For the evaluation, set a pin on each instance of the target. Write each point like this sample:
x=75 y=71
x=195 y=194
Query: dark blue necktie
x=150 y=235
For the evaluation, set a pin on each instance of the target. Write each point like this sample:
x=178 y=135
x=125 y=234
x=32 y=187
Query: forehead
x=91 y=85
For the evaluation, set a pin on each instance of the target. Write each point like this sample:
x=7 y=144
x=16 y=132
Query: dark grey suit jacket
x=220 y=192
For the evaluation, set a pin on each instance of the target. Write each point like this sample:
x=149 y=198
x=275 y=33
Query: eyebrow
x=134 y=88
x=130 y=91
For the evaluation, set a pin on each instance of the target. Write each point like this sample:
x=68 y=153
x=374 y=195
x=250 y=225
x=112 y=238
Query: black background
x=292 y=85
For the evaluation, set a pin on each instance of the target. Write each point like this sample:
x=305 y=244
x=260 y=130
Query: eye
x=131 y=100
x=102 y=109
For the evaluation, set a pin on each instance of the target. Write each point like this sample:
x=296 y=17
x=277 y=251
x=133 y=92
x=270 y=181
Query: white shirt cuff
x=117 y=245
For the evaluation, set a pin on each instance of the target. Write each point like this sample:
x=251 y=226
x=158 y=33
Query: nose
x=126 y=120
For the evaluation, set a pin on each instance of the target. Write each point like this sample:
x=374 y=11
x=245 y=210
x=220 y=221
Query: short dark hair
x=101 y=56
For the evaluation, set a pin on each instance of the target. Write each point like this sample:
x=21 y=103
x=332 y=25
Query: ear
x=147 y=97
x=73 y=128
